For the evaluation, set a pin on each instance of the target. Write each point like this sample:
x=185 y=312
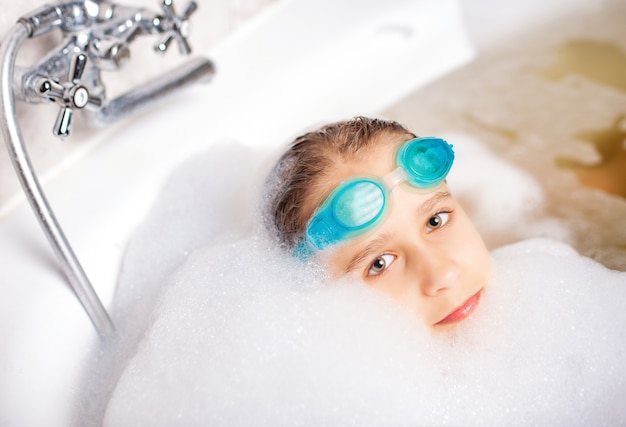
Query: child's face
x=426 y=254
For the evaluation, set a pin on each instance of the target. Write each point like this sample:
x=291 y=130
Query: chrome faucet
x=96 y=37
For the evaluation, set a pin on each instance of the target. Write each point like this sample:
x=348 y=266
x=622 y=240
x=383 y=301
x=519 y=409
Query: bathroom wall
x=213 y=20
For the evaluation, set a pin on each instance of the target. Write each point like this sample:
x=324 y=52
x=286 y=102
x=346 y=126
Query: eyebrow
x=429 y=205
x=380 y=241
x=373 y=247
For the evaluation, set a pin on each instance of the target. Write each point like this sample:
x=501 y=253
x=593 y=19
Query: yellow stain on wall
x=599 y=61
x=609 y=174
x=603 y=63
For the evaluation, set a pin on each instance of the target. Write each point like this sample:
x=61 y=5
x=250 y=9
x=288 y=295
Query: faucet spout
x=195 y=70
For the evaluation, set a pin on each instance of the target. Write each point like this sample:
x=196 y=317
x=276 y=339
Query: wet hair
x=298 y=177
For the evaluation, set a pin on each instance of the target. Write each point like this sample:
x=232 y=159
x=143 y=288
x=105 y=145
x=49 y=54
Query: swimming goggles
x=358 y=205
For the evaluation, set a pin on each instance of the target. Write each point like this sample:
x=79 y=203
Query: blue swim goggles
x=358 y=205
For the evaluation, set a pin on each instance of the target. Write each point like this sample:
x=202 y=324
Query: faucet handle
x=69 y=94
x=77 y=67
x=63 y=122
x=175 y=27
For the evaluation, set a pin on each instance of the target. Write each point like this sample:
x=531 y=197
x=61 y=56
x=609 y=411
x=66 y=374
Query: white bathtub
x=298 y=63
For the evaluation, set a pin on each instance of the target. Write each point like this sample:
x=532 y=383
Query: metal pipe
x=32 y=189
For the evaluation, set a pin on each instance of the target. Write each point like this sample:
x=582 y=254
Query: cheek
x=475 y=254
x=480 y=262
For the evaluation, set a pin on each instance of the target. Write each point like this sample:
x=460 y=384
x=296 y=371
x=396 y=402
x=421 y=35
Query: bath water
x=219 y=327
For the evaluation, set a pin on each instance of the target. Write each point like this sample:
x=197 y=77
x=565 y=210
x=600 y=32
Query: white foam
x=241 y=337
x=240 y=334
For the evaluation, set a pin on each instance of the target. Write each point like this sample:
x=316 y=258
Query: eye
x=438 y=220
x=380 y=264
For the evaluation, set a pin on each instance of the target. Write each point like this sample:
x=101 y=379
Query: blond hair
x=293 y=186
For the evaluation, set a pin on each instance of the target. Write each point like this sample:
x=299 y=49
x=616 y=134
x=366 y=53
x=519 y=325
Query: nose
x=437 y=271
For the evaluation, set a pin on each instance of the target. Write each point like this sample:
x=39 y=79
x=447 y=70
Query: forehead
x=376 y=160
x=373 y=161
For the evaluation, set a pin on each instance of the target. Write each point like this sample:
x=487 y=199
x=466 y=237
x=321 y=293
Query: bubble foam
x=243 y=336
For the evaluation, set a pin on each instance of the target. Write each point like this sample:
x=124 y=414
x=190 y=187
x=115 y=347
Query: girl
x=368 y=199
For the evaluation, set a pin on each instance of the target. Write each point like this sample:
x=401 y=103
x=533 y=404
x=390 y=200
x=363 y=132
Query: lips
x=462 y=312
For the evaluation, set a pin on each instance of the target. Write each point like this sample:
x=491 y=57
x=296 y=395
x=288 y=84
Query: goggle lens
x=359 y=203
x=426 y=161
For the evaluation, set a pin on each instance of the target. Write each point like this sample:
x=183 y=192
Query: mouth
x=462 y=312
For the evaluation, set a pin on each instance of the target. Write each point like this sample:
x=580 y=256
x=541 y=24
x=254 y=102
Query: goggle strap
x=304 y=250
x=395 y=177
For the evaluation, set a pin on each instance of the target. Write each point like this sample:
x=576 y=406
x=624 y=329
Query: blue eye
x=380 y=264
x=438 y=220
